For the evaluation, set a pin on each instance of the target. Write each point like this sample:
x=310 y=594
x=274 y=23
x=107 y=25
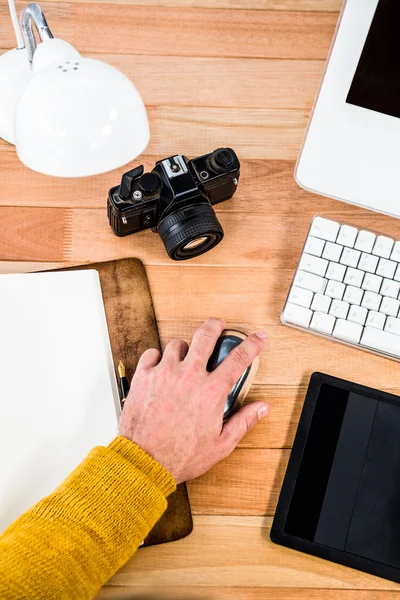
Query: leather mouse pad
x=133 y=329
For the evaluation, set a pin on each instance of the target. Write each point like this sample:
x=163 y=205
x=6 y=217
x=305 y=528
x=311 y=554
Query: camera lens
x=190 y=231
x=195 y=243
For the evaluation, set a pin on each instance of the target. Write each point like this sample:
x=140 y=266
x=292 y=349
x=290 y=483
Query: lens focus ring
x=180 y=229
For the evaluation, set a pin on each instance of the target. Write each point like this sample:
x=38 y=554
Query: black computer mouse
x=228 y=340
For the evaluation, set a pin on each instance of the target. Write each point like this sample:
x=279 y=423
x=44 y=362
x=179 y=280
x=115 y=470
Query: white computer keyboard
x=347 y=287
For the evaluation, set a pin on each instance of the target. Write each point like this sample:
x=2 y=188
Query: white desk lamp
x=68 y=116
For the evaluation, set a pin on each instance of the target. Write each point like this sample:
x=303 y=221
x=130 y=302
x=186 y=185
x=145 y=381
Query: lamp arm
x=33 y=12
x=14 y=19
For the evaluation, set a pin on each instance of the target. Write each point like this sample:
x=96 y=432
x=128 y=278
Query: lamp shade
x=78 y=116
x=15 y=74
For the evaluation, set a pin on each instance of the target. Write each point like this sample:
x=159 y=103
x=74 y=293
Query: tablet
x=340 y=498
x=352 y=147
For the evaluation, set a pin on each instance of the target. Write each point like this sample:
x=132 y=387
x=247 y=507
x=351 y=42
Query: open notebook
x=58 y=390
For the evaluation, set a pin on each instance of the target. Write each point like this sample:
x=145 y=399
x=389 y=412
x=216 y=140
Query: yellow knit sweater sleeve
x=71 y=542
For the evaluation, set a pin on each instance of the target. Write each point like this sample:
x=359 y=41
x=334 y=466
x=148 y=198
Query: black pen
x=123 y=382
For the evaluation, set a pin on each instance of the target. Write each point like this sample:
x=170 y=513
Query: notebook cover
x=133 y=329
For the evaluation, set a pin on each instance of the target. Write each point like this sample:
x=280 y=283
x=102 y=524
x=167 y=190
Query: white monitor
x=352 y=153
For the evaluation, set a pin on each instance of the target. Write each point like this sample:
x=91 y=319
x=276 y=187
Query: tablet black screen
x=341 y=495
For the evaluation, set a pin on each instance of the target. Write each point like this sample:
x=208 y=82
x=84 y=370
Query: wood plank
x=242 y=593
x=292 y=356
x=265 y=186
x=28 y=267
x=221 y=82
x=253 y=133
x=236 y=552
x=251 y=240
x=125 y=29
x=248 y=482
x=297 y=5
x=38 y=234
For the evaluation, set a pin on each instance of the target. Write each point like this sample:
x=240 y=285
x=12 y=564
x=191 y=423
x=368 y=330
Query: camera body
x=175 y=200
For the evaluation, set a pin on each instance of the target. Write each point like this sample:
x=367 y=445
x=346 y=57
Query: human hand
x=174 y=408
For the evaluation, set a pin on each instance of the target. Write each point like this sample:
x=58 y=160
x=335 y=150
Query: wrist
x=131 y=452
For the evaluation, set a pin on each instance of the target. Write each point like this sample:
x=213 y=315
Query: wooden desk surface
x=240 y=73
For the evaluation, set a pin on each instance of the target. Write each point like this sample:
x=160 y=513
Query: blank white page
x=58 y=391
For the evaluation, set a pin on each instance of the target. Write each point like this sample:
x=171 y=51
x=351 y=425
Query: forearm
x=70 y=543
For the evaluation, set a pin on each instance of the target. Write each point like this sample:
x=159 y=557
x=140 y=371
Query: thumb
x=242 y=422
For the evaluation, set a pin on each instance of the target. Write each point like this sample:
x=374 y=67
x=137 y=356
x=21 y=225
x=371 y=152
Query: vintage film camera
x=176 y=201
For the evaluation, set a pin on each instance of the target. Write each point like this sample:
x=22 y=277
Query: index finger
x=241 y=357
x=204 y=340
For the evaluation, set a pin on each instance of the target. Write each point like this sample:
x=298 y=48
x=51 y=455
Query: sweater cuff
x=145 y=463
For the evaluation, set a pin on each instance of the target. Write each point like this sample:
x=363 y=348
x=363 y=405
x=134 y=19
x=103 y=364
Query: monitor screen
x=376 y=83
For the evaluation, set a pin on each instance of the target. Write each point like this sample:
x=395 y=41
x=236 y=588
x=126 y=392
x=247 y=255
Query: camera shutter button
x=149 y=183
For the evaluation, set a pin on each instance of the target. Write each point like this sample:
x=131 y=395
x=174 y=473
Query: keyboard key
x=300 y=297
x=339 y=309
x=325 y=229
x=397 y=274
x=313 y=264
x=332 y=251
x=335 y=289
x=311 y=282
x=353 y=295
x=396 y=252
x=335 y=271
x=389 y=306
x=382 y=341
x=347 y=331
x=365 y=241
x=375 y=319
x=297 y=315
x=347 y=236
x=347 y=286
x=321 y=303
x=386 y=268
x=392 y=325
x=357 y=314
x=354 y=277
x=368 y=262
x=371 y=283
x=322 y=322
x=371 y=301
x=350 y=257
x=390 y=288
x=383 y=246
x=314 y=246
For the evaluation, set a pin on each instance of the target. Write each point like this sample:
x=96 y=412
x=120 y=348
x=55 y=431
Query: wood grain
x=242 y=593
x=265 y=232
x=212 y=72
x=281 y=5
x=221 y=82
x=255 y=133
x=246 y=483
x=236 y=552
x=266 y=186
x=151 y=30
x=37 y=234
